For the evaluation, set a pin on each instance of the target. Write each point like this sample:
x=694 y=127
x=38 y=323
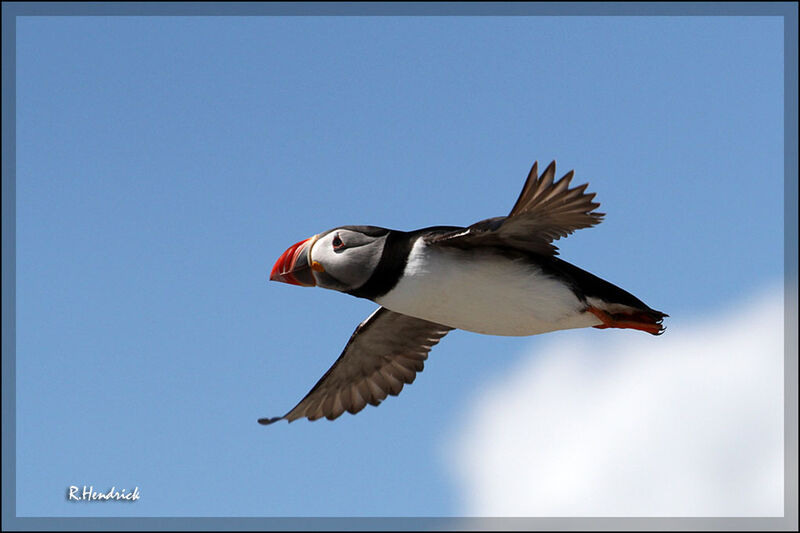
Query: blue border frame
x=12 y=10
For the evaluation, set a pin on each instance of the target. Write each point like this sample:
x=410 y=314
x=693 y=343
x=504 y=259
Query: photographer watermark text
x=88 y=494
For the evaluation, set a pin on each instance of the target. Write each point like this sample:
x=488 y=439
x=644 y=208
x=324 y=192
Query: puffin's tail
x=644 y=320
x=615 y=307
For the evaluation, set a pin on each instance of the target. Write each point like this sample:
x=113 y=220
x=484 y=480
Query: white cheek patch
x=365 y=259
x=351 y=267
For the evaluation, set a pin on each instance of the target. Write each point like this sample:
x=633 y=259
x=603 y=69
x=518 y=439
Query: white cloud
x=624 y=424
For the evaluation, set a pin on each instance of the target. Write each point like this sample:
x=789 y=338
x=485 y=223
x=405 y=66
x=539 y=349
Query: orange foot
x=649 y=321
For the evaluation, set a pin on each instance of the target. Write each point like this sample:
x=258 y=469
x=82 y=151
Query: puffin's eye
x=337 y=242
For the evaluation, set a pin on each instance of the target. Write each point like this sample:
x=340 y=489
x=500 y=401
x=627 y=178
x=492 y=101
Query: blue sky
x=164 y=163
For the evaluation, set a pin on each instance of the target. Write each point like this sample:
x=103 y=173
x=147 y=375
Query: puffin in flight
x=499 y=276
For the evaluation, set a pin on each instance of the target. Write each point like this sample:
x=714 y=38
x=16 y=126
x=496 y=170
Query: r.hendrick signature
x=88 y=494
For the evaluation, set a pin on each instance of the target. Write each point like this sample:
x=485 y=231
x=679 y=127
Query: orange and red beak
x=293 y=266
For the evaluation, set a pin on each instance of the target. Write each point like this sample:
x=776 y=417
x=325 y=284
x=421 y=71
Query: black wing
x=385 y=352
x=545 y=211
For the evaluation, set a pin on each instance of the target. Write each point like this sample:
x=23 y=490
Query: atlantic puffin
x=499 y=276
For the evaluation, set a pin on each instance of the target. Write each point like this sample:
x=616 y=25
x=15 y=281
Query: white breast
x=483 y=292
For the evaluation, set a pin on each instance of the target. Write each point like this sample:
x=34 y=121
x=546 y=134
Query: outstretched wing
x=385 y=352
x=546 y=210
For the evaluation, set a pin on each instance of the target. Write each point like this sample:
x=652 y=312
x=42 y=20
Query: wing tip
x=550 y=170
x=268 y=421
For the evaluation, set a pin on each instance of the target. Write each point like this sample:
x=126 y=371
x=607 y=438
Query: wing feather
x=384 y=354
x=546 y=210
x=358 y=402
